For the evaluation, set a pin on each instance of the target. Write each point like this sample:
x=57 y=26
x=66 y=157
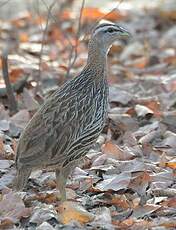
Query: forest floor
x=127 y=180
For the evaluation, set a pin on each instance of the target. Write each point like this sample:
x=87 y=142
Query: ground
x=127 y=180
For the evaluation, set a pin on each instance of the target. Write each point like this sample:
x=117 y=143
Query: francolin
x=68 y=123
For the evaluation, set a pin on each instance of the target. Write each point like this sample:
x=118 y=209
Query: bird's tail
x=22 y=178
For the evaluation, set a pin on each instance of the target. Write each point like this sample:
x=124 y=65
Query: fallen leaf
x=15 y=74
x=4 y=125
x=102 y=218
x=43 y=212
x=125 y=224
x=115 y=15
x=118 y=95
x=140 y=182
x=46 y=226
x=23 y=37
x=169 y=140
x=70 y=212
x=90 y=13
x=170 y=192
x=3 y=113
x=120 y=201
x=114 y=182
x=30 y=103
x=5 y=164
x=7 y=179
x=12 y=208
x=171 y=164
x=131 y=165
x=21 y=118
x=115 y=151
x=141 y=211
x=170 y=202
x=139 y=63
x=143 y=111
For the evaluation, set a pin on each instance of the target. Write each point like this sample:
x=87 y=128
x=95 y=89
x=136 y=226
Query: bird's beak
x=125 y=33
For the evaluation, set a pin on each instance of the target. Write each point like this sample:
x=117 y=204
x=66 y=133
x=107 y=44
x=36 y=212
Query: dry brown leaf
x=131 y=165
x=170 y=224
x=140 y=182
x=143 y=111
x=21 y=118
x=139 y=63
x=114 y=182
x=23 y=37
x=39 y=20
x=169 y=192
x=66 y=15
x=115 y=15
x=90 y=13
x=149 y=137
x=6 y=224
x=120 y=201
x=15 y=74
x=12 y=208
x=169 y=139
x=103 y=218
x=171 y=164
x=128 y=223
x=30 y=103
x=170 y=202
x=154 y=105
x=141 y=211
x=71 y=211
x=22 y=19
x=116 y=152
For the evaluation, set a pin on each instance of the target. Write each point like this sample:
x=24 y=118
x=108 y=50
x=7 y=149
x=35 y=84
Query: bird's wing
x=52 y=129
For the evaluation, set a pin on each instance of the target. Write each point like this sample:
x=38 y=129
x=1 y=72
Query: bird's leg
x=61 y=182
x=61 y=178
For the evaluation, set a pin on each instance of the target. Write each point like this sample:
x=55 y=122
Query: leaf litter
x=127 y=180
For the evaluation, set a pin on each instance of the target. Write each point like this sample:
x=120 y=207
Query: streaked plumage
x=71 y=119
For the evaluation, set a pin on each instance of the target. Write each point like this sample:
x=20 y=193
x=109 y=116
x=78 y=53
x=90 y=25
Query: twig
x=74 y=49
x=13 y=107
x=57 y=22
x=42 y=43
x=17 y=87
x=4 y=3
x=104 y=16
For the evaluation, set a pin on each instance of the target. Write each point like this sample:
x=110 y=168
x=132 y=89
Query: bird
x=69 y=122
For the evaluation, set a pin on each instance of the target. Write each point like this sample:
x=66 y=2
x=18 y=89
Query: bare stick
x=57 y=22
x=104 y=16
x=74 y=49
x=42 y=43
x=12 y=101
x=4 y=3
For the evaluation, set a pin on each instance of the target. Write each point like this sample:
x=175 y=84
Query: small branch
x=74 y=49
x=17 y=87
x=4 y=3
x=13 y=107
x=43 y=40
x=101 y=18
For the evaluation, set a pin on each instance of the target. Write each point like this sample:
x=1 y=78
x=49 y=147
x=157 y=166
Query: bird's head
x=106 y=33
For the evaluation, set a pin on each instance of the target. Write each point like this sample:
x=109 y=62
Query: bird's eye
x=110 y=30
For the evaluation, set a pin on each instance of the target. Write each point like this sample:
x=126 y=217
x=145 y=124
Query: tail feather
x=22 y=178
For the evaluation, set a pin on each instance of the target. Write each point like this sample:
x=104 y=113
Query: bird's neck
x=97 y=58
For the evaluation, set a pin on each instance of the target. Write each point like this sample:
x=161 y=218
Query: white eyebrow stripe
x=105 y=27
